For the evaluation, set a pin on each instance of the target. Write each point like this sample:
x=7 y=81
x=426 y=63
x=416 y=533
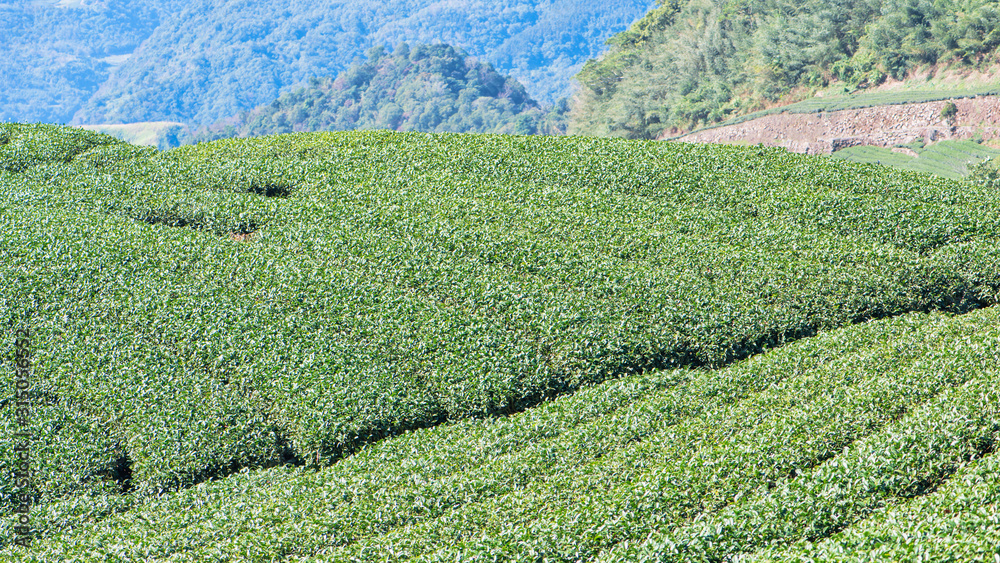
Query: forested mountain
x=433 y=88
x=56 y=55
x=693 y=62
x=198 y=61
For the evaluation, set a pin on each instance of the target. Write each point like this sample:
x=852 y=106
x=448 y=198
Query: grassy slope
x=398 y=280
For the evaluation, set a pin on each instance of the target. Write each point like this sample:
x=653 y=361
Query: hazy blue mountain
x=197 y=61
x=56 y=55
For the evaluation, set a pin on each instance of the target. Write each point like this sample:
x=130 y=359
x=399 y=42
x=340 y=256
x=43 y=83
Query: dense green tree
x=433 y=88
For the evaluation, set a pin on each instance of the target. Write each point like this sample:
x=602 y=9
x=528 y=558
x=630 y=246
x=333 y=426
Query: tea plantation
x=375 y=346
x=951 y=159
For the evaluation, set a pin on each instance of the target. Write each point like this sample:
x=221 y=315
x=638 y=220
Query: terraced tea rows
x=678 y=465
x=957 y=522
x=951 y=159
x=398 y=281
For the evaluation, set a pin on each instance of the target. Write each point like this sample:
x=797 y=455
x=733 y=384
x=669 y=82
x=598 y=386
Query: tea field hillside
x=951 y=159
x=371 y=346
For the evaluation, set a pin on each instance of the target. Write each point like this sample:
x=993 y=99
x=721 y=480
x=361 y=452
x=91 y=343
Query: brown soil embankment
x=882 y=126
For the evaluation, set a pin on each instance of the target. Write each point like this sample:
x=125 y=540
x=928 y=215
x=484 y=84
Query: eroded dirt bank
x=883 y=126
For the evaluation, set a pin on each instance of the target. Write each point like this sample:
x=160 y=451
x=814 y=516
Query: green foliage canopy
x=884 y=429
x=431 y=88
x=696 y=62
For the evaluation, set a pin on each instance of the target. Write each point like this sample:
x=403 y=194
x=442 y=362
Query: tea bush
x=673 y=465
x=25 y=145
x=961 y=517
x=717 y=460
x=400 y=281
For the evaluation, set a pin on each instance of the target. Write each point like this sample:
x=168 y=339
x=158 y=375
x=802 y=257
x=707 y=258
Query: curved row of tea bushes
x=426 y=473
x=468 y=225
x=960 y=521
x=716 y=459
x=872 y=413
x=87 y=427
x=69 y=450
x=399 y=281
x=138 y=184
x=908 y=459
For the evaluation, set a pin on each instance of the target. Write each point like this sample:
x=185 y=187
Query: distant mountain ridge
x=56 y=57
x=113 y=61
x=431 y=88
